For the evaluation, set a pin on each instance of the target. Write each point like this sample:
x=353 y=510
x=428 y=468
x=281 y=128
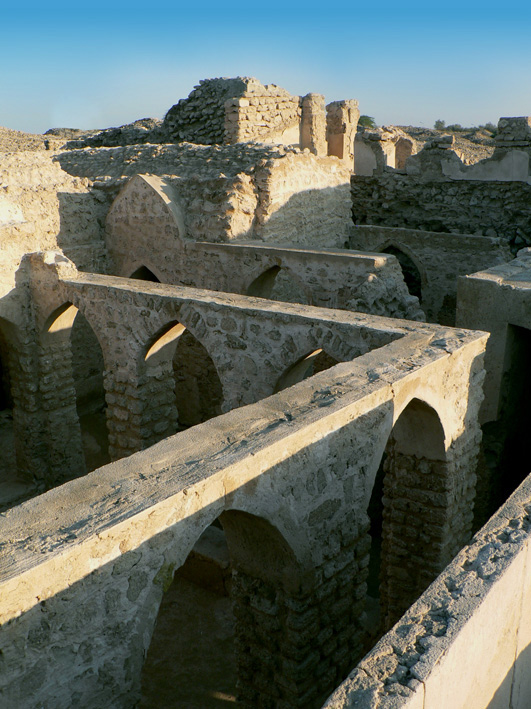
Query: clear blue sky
x=92 y=65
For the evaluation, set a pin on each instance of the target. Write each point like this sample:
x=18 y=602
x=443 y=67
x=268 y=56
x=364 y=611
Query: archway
x=184 y=386
x=73 y=358
x=191 y=659
x=217 y=633
x=278 y=284
x=143 y=273
x=409 y=513
x=412 y=277
x=316 y=361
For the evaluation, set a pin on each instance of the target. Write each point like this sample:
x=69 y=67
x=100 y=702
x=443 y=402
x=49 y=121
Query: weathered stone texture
x=495 y=209
x=302 y=463
x=477 y=602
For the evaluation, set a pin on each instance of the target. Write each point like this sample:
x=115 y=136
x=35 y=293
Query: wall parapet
x=457 y=645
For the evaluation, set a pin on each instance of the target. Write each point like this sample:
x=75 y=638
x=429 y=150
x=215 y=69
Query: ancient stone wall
x=149 y=211
x=85 y=581
x=495 y=209
x=439 y=258
x=267 y=115
x=436 y=191
x=477 y=602
x=234 y=192
x=341 y=125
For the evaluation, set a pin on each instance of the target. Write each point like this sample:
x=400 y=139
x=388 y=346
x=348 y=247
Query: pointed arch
x=147 y=211
x=143 y=273
x=315 y=361
x=414 y=275
x=197 y=635
x=409 y=513
x=81 y=364
x=189 y=370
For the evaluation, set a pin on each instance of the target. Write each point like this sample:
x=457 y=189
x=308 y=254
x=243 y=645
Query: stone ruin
x=263 y=414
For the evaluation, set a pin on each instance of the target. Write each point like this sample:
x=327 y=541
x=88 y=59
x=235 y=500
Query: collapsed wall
x=233 y=192
x=437 y=192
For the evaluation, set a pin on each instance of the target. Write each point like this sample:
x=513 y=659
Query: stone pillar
x=341 y=125
x=141 y=408
x=427 y=516
x=313 y=124
x=294 y=646
x=31 y=449
x=58 y=403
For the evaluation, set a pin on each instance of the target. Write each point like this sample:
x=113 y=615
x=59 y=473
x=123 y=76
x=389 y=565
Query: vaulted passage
x=411 y=273
x=410 y=513
x=278 y=284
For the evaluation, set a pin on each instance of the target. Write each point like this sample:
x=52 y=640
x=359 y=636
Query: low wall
x=148 y=211
x=440 y=258
x=466 y=643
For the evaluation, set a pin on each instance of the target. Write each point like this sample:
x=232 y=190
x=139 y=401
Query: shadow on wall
x=515 y=690
x=265 y=574
x=81 y=234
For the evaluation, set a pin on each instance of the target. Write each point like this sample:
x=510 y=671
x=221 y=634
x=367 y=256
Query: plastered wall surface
x=491 y=300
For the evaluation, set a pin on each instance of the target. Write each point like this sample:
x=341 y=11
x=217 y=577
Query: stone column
x=313 y=124
x=341 y=125
x=141 y=407
x=58 y=402
x=427 y=517
x=295 y=645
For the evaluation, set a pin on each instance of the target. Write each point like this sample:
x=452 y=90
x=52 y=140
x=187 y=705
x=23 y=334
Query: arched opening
x=216 y=637
x=278 y=284
x=191 y=659
x=411 y=273
x=184 y=385
x=73 y=354
x=87 y=370
x=144 y=274
x=409 y=513
x=198 y=390
x=316 y=361
x=403 y=150
x=8 y=465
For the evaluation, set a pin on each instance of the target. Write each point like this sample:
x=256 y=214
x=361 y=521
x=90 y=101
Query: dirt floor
x=191 y=659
